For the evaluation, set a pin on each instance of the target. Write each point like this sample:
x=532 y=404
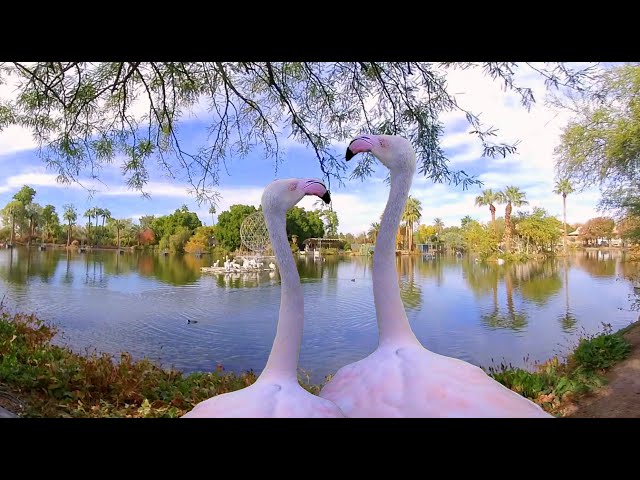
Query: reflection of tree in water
x=94 y=270
x=428 y=268
x=596 y=266
x=411 y=294
x=541 y=282
x=484 y=279
x=25 y=263
x=511 y=319
x=410 y=291
x=567 y=320
x=68 y=273
x=173 y=269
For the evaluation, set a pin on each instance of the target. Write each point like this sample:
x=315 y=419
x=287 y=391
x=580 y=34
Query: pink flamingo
x=401 y=378
x=276 y=392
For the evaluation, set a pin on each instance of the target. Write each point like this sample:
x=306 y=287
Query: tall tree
x=512 y=196
x=33 y=214
x=50 y=222
x=489 y=198
x=599 y=147
x=373 y=231
x=564 y=188
x=13 y=210
x=411 y=214
x=70 y=216
x=439 y=224
x=96 y=107
x=212 y=211
x=25 y=195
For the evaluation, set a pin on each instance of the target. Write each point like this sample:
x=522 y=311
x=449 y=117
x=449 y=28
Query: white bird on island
x=216 y=263
x=272 y=266
x=401 y=378
x=277 y=392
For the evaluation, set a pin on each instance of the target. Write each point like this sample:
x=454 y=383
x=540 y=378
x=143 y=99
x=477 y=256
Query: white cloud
x=15 y=139
x=33 y=180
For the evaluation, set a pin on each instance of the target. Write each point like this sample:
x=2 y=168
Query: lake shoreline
x=74 y=385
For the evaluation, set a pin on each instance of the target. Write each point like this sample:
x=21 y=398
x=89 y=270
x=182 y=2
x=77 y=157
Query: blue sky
x=358 y=203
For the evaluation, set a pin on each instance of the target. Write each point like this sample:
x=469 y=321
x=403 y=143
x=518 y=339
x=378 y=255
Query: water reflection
x=140 y=302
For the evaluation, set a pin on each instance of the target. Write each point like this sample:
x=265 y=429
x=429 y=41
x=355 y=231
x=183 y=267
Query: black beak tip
x=326 y=198
x=349 y=155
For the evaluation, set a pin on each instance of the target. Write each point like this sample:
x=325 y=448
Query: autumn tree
x=629 y=228
x=596 y=228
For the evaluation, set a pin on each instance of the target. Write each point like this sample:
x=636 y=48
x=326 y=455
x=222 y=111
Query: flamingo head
x=286 y=193
x=393 y=151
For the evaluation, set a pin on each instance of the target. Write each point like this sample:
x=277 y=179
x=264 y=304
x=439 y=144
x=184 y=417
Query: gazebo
x=314 y=242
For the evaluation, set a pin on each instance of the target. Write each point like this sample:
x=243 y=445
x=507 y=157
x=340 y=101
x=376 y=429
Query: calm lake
x=483 y=314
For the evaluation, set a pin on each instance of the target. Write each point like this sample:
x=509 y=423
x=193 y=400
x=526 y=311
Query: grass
x=53 y=381
x=554 y=382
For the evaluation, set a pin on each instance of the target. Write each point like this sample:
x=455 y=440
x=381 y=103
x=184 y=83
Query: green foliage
x=553 y=382
x=228 y=226
x=331 y=222
x=167 y=225
x=304 y=224
x=480 y=239
x=25 y=195
x=601 y=352
x=600 y=146
x=453 y=238
x=538 y=228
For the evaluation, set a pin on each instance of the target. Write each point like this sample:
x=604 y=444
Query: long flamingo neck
x=393 y=324
x=283 y=359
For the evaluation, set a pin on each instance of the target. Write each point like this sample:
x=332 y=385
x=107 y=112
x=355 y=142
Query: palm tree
x=439 y=224
x=118 y=225
x=513 y=197
x=34 y=212
x=14 y=208
x=373 y=231
x=89 y=213
x=564 y=188
x=212 y=211
x=70 y=215
x=491 y=198
x=411 y=215
x=105 y=214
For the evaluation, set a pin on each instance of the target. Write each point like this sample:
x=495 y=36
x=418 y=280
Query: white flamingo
x=276 y=392
x=401 y=378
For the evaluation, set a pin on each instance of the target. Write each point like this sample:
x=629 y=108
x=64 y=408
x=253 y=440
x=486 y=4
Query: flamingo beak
x=314 y=187
x=358 y=145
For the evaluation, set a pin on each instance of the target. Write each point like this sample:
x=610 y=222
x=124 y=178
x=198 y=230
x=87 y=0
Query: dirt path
x=620 y=397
